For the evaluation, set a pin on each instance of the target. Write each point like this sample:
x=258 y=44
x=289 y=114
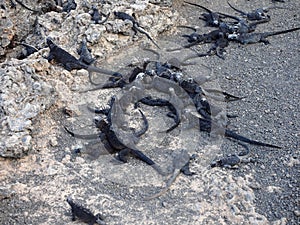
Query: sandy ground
x=266 y=191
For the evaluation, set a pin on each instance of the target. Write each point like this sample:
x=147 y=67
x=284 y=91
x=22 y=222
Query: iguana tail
x=229 y=16
x=240 y=11
x=281 y=32
x=103 y=71
x=231 y=134
x=166 y=188
x=144 y=32
x=202 y=7
x=106 y=18
x=83 y=136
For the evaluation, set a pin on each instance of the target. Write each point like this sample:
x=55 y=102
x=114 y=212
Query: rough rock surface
x=25 y=94
x=39 y=169
x=27 y=86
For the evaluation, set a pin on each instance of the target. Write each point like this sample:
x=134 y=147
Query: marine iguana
x=232 y=161
x=138 y=133
x=111 y=141
x=206 y=124
x=242 y=25
x=84 y=214
x=135 y=25
x=209 y=37
x=97 y=17
x=85 y=53
x=257 y=14
x=251 y=38
x=211 y=18
x=69 y=62
x=217 y=48
x=118 y=81
x=163 y=102
x=69 y=5
x=229 y=162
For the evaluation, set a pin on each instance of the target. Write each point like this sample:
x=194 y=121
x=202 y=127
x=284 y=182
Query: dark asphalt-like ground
x=268 y=75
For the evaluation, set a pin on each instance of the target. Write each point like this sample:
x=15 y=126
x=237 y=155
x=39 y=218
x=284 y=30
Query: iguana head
x=50 y=42
x=99 y=219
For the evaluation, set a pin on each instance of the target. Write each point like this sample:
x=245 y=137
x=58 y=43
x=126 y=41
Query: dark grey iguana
x=135 y=25
x=257 y=14
x=69 y=62
x=84 y=214
x=97 y=16
x=211 y=18
x=232 y=161
x=85 y=53
x=251 y=38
